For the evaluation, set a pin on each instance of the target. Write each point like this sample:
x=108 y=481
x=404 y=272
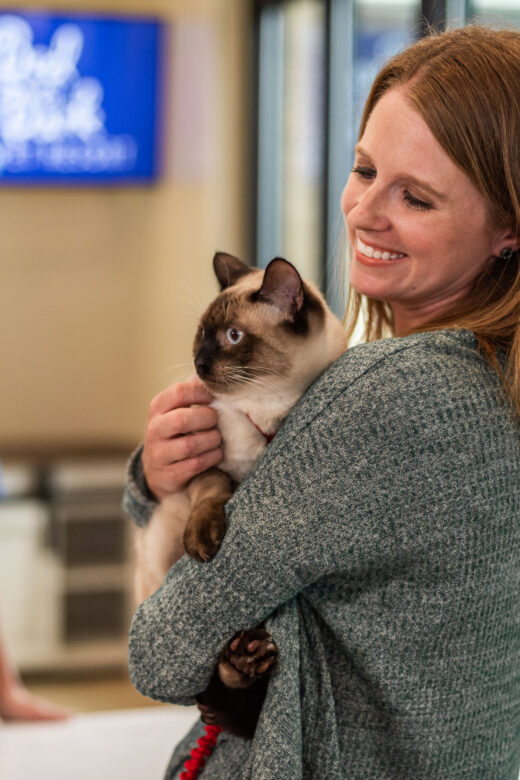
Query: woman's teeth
x=369 y=251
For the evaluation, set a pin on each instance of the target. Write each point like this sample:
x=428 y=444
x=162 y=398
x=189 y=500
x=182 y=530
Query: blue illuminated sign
x=79 y=98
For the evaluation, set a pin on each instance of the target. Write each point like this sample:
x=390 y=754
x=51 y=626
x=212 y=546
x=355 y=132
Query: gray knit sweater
x=378 y=537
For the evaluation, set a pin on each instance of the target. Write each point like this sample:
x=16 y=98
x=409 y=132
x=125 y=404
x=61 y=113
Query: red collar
x=267 y=436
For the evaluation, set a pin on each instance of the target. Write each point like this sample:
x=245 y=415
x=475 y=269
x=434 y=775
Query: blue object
x=80 y=98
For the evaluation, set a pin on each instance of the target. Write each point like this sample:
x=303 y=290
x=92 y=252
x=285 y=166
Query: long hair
x=465 y=84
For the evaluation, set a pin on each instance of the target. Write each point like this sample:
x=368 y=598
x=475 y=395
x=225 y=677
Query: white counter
x=129 y=744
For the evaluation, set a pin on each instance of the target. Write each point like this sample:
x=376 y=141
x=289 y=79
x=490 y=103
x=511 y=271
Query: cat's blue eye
x=233 y=335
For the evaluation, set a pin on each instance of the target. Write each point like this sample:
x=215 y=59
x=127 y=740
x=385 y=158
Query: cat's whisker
x=187 y=312
x=262 y=382
x=262 y=377
x=177 y=372
x=243 y=379
x=257 y=368
x=264 y=370
x=185 y=292
x=187 y=306
x=193 y=296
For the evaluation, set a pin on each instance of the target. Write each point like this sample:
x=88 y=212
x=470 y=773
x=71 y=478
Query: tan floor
x=114 y=693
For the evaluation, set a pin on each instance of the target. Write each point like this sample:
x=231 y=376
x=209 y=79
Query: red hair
x=465 y=84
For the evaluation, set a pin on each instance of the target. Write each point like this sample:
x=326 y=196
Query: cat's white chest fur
x=242 y=443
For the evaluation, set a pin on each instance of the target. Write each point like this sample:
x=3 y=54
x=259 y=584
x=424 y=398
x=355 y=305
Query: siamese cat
x=260 y=344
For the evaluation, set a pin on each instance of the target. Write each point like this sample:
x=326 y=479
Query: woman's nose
x=367 y=210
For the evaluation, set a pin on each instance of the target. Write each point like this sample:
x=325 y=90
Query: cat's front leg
x=206 y=526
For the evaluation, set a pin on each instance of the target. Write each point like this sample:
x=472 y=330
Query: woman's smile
x=369 y=252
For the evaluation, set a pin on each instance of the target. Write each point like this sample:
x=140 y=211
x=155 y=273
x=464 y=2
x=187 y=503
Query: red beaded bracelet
x=200 y=754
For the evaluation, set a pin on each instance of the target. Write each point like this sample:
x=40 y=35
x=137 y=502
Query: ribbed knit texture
x=379 y=539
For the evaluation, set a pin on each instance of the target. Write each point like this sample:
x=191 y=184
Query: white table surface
x=120 y=745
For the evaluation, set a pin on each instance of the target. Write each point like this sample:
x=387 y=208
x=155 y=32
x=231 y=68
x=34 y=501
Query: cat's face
x=257 y=331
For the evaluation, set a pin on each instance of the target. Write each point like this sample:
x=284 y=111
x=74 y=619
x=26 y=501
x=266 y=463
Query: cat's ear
x=282 y=287
x=229 y=269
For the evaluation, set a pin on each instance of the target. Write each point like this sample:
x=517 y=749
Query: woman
x=378 y=537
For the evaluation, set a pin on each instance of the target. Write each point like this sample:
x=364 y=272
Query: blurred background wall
x=100 y=291
x=100 y=288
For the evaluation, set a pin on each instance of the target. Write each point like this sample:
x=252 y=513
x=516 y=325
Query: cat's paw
x=207 y=715
x=205 y=530
x=247 y=657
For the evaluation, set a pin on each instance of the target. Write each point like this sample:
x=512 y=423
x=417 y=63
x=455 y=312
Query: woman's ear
x=507 y=243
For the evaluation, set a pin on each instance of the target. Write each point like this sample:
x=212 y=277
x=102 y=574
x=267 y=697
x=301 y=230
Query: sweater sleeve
x=177 y=633
x=138 y=501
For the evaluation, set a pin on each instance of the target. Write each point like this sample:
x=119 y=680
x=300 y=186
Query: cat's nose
x=202 y=362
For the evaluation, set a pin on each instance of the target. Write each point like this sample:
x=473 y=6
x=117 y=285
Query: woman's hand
x=181 y=440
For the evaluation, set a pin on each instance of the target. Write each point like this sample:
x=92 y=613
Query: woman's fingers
x=189 y=446
x=181 y=421
x=180 y=439
x=173 y=476
x=180 y=394
x=185 y=470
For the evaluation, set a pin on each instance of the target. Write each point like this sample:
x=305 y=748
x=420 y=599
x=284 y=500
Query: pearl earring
x=507 y=253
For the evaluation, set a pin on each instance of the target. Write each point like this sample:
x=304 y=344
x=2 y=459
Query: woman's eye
x=367 y=173
x=233 y=335
x=415 y=203
x=364 y=172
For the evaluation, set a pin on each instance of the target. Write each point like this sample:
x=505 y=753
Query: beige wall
x=99 y=289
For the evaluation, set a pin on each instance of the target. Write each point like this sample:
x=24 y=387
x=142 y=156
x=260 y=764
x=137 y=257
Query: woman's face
x=418 y=228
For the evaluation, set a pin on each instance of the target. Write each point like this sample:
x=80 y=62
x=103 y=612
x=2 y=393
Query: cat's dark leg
x=206 y=526
x=236 y=693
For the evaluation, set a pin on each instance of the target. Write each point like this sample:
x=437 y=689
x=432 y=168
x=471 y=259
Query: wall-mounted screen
x=80 y=98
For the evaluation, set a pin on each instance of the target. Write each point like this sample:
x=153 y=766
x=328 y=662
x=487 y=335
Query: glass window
x=495 y=13
x=317 y=61
x=381 y=30
x=291 y=134
x=304 y=136
x=269 y=217
x=364 y=35
x=456 y=12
